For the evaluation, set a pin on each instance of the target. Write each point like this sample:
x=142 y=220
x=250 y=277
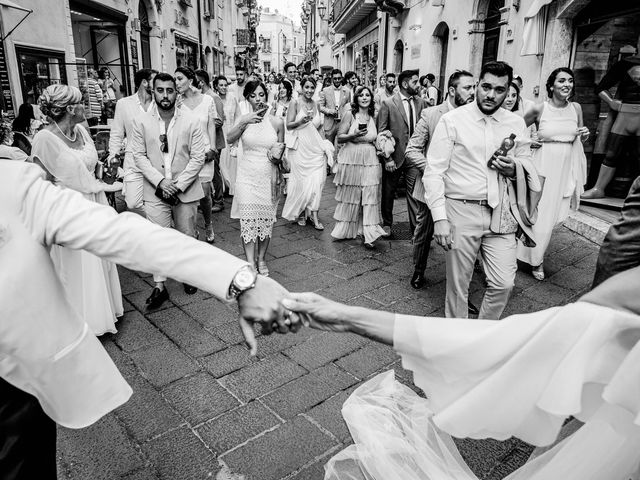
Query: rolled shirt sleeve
x=437 y=163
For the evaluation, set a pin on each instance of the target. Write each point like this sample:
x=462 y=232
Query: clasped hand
x=169 y=188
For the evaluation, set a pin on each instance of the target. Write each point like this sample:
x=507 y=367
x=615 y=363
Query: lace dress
x=92 y=284
x=255 y=200
x=359 y=190
x=308 y=169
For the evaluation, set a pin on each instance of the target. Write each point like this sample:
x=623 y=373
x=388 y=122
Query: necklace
x=72 y=140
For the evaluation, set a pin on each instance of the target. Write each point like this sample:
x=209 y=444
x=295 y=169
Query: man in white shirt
x=169 y=149
x=127 y=109
x=236 y=89
x=52 y=368
x=462 y=191
x=290 y=72
x=432 y=92
x=333 y=101
x=385 y=92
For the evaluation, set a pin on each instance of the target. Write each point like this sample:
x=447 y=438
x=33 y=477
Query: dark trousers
x=422 y=236
x=390 y=184
x=27 y=437
x=620 y=249
x=218 y=183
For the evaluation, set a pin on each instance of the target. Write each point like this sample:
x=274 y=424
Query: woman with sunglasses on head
x=560 y=159
x=67 y=153
x=257 y=181
x=202 y=107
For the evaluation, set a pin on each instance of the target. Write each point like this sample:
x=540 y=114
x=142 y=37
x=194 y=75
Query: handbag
x=502 y=220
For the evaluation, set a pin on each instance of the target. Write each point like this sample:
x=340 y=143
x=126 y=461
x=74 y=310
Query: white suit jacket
x=46 y=349
x=187 y=150
x=127 y=108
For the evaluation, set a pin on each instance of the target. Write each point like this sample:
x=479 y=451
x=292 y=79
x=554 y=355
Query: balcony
x=347 y=13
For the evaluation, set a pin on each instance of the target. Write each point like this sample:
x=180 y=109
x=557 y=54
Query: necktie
x=408 y=100
x=493 y=189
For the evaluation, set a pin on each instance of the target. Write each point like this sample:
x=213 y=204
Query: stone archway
x=398 y=56
x=439 y=50
x=149 y=39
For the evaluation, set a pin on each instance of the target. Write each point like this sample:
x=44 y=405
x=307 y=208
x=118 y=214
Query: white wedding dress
x=522 y=376
x=92 y=284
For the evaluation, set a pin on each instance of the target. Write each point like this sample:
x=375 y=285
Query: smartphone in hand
x=362 y=126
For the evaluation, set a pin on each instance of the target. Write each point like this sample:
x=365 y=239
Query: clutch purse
x=172 y=200
x=275 y=153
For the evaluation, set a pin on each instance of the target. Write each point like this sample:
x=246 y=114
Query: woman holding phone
x=256 y=193
x=307 y=158
x=358 y=173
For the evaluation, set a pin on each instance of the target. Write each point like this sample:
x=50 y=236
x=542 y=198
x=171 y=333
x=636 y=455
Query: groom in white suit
x=52 y=368
x=169 y=148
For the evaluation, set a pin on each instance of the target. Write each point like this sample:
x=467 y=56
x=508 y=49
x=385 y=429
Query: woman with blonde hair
x=67 y=153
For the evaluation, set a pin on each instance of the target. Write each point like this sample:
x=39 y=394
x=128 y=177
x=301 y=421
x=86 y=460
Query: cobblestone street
x=203 y=408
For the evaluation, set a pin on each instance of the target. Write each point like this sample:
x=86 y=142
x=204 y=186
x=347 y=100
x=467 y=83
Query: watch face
x=244 y=279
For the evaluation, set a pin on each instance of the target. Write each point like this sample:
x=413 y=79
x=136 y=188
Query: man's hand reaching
x=263 y=304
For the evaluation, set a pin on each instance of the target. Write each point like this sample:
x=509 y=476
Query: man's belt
x=482 y=203
x=630 y=108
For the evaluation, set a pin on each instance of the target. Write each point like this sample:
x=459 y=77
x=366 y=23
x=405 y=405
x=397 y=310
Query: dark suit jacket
x=393 y=118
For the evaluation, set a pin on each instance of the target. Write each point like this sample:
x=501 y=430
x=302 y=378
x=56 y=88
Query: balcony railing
x=339 y=6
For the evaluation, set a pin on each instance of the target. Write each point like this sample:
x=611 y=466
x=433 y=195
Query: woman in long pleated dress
x=307 y=159
x=560 y=160
x=358 y=174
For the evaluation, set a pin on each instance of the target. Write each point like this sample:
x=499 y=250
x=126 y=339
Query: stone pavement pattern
x=202 y=408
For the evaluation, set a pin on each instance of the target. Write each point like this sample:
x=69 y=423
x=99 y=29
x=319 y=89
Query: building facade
x=316 y=19
x=280 y=41
x=60 y=39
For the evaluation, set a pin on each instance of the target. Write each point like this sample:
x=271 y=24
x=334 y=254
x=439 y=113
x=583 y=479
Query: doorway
x=441 y=44
x=398 y=56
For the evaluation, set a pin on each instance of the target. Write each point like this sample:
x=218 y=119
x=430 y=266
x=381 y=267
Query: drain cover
x=401 y=231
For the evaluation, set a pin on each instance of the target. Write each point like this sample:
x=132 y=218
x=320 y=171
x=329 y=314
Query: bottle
x=507 y=144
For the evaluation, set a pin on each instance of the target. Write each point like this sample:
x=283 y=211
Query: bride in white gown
x=522 y=376
x=67 y=153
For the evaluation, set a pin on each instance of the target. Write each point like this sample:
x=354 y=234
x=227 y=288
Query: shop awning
x=535 y=28
x=9 y=4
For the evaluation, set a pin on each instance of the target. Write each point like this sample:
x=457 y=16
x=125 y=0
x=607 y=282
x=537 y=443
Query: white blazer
x=127 y=108
x=45 y=347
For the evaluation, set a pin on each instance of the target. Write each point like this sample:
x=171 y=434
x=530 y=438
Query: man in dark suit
x=400 y=114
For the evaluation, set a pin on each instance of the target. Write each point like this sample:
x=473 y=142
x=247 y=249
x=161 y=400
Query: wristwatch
x=243 y=280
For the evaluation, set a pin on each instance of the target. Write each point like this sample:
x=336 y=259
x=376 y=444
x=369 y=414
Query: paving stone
x=303 y=393
x=237 y=426
x=262 y=377
x=482 y=455
x=572 y=278
x=229 y=360
x=547 y=294
x=180 y=455
x=199 y=398
x=179 y=297
x=354 y=269
x=100 y=451
x=276 y=342
x=299 y=442
x=138 y=300
x=359 y=285
x=352 y=255
x=144 y=474
x=229 y=333
x=163 y=363
x=210 y=313
x=368 y=360
x=186 y=332
x=324 y=348
x=135 y=331
x=329 y=415
x=312 y=283
x=130 y=282
x=389 y=294
x=127 y=305
x=313 y=472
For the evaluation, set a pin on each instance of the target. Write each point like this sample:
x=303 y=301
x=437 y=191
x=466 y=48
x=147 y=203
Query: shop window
x=145 y=39
x=492 y=31
x=186 y=53
x=38 y=70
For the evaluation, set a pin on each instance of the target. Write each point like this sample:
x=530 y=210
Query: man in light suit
x=52 y=368
x=168 y=148
x=461 y=89
x=399 y=114
x=127 y=109
x=333 y=101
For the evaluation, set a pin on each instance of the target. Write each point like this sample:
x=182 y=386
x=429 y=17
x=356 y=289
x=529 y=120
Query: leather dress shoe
x=189 y=289
x=418 y=281
x=157 y=298
x=473 y=310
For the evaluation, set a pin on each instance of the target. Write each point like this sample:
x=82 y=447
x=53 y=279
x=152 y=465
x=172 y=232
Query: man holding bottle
x=461 y=181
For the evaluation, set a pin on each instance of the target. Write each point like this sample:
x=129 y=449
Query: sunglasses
x=164 y=145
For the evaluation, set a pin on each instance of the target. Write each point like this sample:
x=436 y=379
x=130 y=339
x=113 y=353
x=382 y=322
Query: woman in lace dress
x=68 y=154
x=256 y=196
x=307 y=158
x=358 y=174
x=204 y=109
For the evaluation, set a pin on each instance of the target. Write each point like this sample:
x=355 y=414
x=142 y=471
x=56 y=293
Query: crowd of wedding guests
x=184 y=141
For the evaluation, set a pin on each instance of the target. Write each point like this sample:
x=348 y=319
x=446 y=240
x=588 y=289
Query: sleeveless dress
x=205 y=112
x=358 y=176
x=92 y=284
x=228 y=162
x=308 y=169
x=255 y=201
x=561 y=161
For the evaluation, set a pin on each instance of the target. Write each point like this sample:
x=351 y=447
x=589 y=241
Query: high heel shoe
x=538 y=272
x=263 y=269
x=318 y=225
x=302 y=221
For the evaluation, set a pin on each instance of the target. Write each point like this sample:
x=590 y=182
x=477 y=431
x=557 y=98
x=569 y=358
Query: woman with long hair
x=66 y=151
x=560 y=159
x=25 y=127
x=306 y=158
x=512 y=100
x=358 y=173
x=272 y=86
x=256 y=197
x=202 y=107
x=282 y=100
